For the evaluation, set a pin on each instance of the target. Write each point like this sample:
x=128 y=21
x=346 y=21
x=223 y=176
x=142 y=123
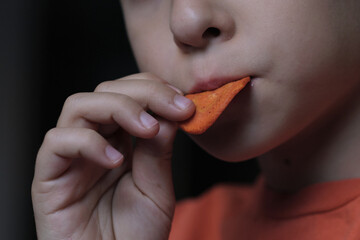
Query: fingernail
x=147 y=120
x=182 y=102
x=114 y=155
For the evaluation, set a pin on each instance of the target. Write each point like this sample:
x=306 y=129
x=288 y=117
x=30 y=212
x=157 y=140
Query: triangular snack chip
x=210 y=104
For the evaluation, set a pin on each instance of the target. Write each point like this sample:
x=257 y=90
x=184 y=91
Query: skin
x=299 y=115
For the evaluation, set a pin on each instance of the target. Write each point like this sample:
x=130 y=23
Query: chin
x=226 y=148
x=235 y=144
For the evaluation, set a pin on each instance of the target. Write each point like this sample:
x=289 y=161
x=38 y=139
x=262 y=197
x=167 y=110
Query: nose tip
x=195 y=23
x=198 y=41
x=189 y=26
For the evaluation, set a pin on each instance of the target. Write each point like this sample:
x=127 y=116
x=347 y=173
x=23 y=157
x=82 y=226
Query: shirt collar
x=313 y=199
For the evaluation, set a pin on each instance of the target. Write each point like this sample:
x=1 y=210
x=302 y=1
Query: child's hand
x=84 y=189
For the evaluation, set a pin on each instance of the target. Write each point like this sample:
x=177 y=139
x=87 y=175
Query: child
x=299 y=115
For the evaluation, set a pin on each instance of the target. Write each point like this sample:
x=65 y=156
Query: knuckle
x=51 y=136
x=160 y=92
x=73 y=99
x=152 y=89
x=89 y=135
x=104 y=87
x=155 y=88
x=121 y=99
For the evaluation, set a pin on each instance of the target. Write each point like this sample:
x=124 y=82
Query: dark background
x=48 y=51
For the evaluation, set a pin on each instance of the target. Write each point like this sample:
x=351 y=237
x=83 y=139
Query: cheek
x=156 y=52
x=151 y=40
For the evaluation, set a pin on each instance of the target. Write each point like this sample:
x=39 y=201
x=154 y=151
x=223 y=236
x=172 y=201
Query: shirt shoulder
x=202 y=217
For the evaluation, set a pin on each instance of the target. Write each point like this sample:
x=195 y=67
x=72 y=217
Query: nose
x=196 y=23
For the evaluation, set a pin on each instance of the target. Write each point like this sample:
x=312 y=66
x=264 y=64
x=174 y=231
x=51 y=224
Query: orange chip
x=210 y=104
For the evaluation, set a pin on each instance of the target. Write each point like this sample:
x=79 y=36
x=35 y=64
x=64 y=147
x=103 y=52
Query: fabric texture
x=321 y=211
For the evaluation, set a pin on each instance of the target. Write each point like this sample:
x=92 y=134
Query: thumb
x=152 y=167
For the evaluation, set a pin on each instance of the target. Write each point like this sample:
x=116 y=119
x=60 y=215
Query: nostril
x=211 y=32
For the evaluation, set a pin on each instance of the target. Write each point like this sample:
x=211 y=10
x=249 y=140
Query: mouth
x=210 y=105
x=202 y=85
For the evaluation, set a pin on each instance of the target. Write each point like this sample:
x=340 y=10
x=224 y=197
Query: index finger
x=153 y=95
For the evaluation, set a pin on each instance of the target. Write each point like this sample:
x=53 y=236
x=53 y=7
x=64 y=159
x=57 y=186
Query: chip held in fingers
x=210 y=104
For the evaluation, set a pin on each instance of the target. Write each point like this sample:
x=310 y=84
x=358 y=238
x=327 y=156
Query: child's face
x=303 y=57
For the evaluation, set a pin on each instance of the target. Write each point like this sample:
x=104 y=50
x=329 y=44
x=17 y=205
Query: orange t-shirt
x=323 y=211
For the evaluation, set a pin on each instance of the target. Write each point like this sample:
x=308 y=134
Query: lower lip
x=213 y=84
